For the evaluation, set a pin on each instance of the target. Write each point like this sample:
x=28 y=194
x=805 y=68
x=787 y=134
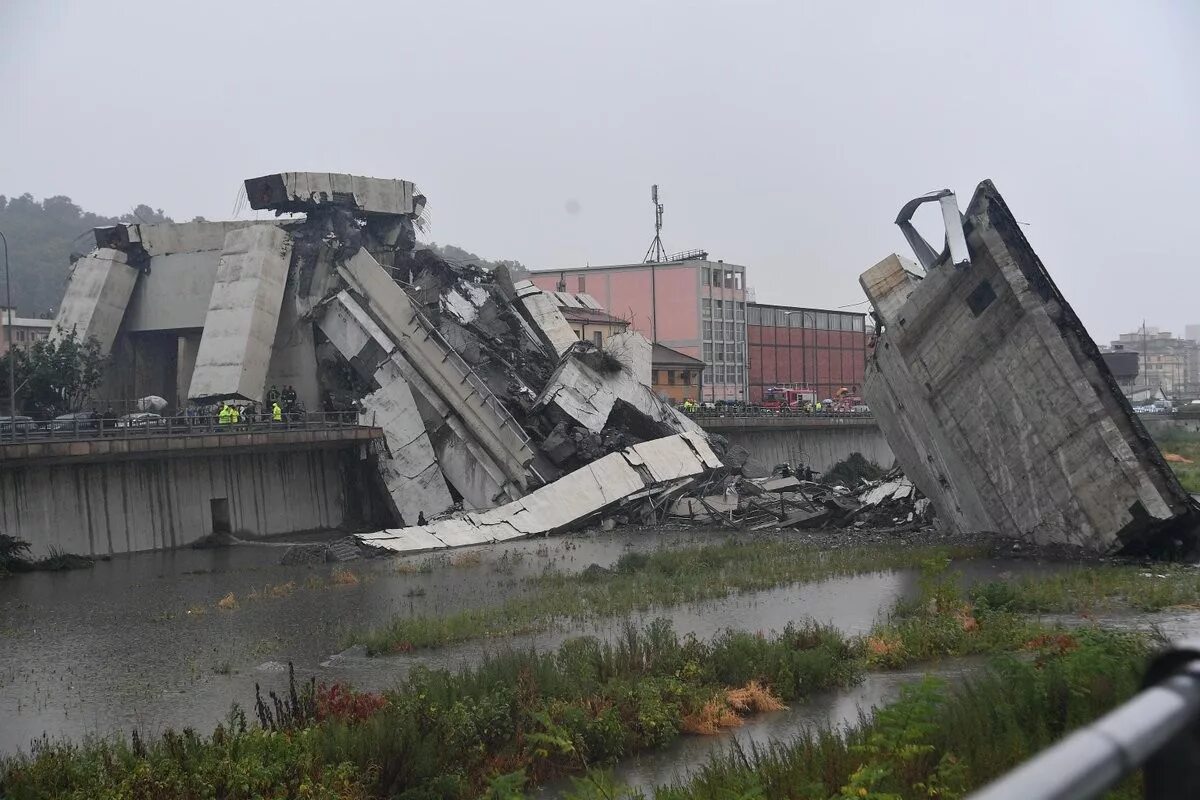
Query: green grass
x=935 y=741
x=1095 y=588
x=1188 y=446
x=644 y=582
x=448 y=734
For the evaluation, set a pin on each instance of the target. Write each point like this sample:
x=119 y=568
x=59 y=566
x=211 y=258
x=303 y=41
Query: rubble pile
x=754 y=504
x=497 y=421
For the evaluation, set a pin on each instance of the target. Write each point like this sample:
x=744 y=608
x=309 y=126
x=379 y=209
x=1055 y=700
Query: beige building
x=1164 y=361
x=25 y=330
x=588 y=319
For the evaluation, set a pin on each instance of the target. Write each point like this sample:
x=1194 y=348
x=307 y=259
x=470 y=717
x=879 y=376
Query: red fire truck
x=791 y=397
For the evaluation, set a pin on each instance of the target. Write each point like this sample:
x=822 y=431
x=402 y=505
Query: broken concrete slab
x=243 y=315
x=999 y=408
x=305 y=191
x=634 y=351
x=588 y=396
x=485 y=419
x=409 y=470
x=362 y=342
x=540 y=310
x=97 y=295
x=558 y=506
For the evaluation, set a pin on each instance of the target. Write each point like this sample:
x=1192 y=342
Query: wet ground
x=142 y=641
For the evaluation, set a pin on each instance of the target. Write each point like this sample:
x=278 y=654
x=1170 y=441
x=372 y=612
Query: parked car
x=75 y=421
x=141 y=419
x=23 y=425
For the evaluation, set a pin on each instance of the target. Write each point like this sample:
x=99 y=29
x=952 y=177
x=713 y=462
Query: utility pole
x=12 y=357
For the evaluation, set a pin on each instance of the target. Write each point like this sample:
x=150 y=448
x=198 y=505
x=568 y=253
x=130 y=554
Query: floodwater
x=141 y=641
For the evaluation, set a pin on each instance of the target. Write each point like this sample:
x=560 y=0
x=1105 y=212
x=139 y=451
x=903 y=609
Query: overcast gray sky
x=784 y=135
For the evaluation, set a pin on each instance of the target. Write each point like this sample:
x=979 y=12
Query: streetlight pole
x=12 y=357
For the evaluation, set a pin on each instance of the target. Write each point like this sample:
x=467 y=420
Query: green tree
x=54 y=376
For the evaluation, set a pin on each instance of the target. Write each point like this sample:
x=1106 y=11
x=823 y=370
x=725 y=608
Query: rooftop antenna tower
x=656 y=254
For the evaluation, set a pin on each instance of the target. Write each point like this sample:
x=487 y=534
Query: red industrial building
x=811 y=348
x=702 y=309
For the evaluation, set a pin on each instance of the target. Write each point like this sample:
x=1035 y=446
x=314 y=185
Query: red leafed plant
x=338 y=701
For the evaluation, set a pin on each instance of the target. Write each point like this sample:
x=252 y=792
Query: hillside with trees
x=44 y=235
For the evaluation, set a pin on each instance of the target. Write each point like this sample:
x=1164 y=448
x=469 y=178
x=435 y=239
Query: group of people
x=279 y=406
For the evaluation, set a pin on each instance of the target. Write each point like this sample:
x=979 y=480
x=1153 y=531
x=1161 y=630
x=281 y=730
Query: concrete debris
x=589 y=385
x=306 y=191
x=639 y=473
x=997 y=403
x=488 y=403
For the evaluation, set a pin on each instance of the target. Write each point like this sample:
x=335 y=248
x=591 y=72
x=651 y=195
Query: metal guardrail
x=748 y=413
x=1158 y=730
x=79 y=430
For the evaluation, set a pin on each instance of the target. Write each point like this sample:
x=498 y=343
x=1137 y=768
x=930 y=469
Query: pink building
x=693 y=306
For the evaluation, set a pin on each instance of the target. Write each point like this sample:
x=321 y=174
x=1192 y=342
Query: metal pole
x=12 y=356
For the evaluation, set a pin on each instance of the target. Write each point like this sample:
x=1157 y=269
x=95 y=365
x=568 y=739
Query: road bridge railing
x=147 y=426
x=758 y=413
x=1158 y=731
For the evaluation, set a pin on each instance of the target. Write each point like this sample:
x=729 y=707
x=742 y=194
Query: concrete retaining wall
x=120 y=506
x=818 y=448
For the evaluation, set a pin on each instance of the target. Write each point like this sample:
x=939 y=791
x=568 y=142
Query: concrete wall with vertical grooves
x=817 y=448
x=110 y=507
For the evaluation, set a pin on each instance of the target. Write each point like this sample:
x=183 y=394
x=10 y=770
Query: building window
x=708 y=352
x=598 y=338
x=720 y=354
x=754 y=315
x=686 y=377
x=740 y=331
x=718 y=309
x=739 y=311
x=704 y=276
x=716 y=278
x=821 y=322
x=20 y=336
x=708 y=330
x=706 y=308
x=670 y=377
x=729 y=326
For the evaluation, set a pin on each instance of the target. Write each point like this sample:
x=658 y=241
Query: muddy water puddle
x=159 y=640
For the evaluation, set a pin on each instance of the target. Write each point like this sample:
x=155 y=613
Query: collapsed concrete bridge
x=475 y=380
x=995 y=399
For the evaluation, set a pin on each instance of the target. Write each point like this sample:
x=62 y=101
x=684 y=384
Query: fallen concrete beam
x=243 y=314
x=469 y=469
x=540 y=311
x=567 y=502
x=589 y=396
x=486 y=421
x=999 y=408
x=410 y=471
x=97 y=295
x=306 y=191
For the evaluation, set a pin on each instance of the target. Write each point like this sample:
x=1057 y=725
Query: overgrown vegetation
x=54 y=376
x=1094 y=588
x=443 y=734
x=646 y=581
x=937 y=741
x=14 y=557
x=1187 y=447
x=940 y=623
